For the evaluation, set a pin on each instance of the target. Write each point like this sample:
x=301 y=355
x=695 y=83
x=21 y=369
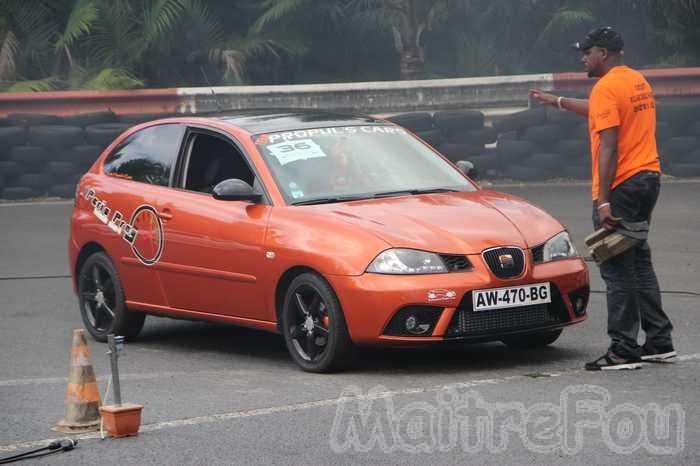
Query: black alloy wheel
x=102 y=303
x=314 y=326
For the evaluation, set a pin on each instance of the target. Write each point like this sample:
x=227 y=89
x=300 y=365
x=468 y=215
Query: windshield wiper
x=330 y=200
x=414 y=192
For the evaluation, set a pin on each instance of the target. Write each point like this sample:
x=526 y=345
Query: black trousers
x=633 y=294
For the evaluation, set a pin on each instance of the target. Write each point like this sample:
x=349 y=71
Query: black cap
x=605 y=38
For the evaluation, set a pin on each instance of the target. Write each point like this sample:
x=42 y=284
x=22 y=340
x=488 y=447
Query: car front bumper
x=370 y=301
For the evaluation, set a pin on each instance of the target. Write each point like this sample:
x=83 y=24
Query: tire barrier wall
x=47 y=140
x=45 y=155
x=541 y=143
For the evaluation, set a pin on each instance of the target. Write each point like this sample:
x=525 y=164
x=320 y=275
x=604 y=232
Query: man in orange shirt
x=621 y=114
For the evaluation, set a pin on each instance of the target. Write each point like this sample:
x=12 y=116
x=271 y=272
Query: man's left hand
x=607 y=219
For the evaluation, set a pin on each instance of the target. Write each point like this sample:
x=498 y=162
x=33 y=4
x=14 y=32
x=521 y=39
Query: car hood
x=450 y=223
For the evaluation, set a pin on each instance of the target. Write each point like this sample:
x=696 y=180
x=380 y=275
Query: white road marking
x=198 y=420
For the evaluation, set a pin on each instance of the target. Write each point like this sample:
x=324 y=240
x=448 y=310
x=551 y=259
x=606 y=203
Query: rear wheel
x=532 y=340
x=313 y=325
x=102 y=304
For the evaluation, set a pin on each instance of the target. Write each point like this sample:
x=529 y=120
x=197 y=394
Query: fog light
x=415 y=327
x=579 y=300
x=414 y=321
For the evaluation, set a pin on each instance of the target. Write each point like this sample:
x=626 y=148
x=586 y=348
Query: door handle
x=166 y=214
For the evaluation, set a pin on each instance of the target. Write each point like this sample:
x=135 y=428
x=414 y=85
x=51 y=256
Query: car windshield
x=337 y=164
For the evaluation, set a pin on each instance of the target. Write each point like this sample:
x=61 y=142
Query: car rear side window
x=147 y=156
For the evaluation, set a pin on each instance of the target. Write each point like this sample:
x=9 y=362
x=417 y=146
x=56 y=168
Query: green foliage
x=51 y=83
x=112 y=78
x=124 y=44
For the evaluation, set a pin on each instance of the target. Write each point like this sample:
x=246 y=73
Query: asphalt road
x=216 y=394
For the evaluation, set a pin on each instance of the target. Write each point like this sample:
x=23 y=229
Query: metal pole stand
x=121 y=420
x=116 y=345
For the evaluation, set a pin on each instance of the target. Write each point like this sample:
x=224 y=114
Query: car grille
x=467 y=323
x=491 y=257
x=456 y=263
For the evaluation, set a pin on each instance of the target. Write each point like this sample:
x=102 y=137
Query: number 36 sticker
x=287 y=152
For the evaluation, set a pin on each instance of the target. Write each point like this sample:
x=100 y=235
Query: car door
x=138 y=172
x=213 y=260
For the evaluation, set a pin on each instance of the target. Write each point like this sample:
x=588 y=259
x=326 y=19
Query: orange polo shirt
x=624 y=98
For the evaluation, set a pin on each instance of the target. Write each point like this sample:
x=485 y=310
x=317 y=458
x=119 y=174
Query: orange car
x=333 y=230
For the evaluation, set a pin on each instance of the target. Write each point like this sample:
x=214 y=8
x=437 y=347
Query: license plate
x=514 y=296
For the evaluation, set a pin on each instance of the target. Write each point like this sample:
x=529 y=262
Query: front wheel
x=532 y=340
x=313 y=325
x=102 y=303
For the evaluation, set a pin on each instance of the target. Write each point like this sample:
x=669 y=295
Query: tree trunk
x=409 y=20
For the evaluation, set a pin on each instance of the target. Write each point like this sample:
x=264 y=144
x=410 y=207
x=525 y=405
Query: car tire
x=532 y=340
x=416 y=122
x=460 y=120
x=13 y=136
x=55 y=136
x=83 y=156
x=102 y=302
x=310 y=299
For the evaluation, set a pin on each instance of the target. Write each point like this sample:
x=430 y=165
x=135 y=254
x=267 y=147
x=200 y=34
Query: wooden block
x=604 y=244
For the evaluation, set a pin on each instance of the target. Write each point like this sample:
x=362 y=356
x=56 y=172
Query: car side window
x=213 y=159
x=148 y=156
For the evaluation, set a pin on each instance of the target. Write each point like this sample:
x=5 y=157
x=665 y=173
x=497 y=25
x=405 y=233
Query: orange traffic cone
x=82 y=396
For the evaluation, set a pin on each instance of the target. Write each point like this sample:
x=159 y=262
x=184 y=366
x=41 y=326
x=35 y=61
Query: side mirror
x=234 y=189
x=465 y=167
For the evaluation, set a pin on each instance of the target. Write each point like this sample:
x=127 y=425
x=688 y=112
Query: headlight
x=558 y=247
x=407 y=262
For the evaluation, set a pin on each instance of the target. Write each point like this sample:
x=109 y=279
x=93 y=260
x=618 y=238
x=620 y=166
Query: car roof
x=270 y=121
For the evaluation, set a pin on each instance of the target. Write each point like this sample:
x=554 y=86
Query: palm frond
x=8 y=51
x=113 y=78
x=563 y=22
x=51 y=83
x=160 y=18
x=276 y=10
x=80 y=21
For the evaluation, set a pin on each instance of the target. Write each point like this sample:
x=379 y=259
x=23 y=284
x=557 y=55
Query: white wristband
x=559 y=99
x=604 y=204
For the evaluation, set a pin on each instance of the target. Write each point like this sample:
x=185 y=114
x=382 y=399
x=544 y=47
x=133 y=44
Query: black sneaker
x=612 y=362
x=664 y=353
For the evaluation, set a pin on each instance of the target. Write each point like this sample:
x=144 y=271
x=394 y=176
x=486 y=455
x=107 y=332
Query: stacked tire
x=543 y=143
x=457 y=134
x=678 y=138
x=45 y=155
